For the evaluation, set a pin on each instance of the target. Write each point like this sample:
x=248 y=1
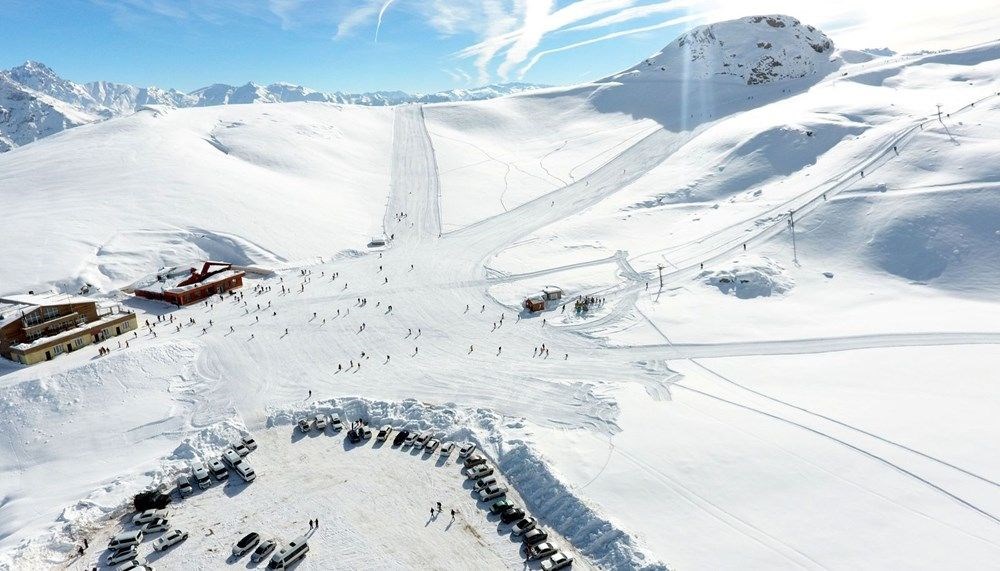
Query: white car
x=492 y=492
x=123 y=555
x=321 y=421
x=263 y=550
x=558 y=561
x=466 y=450
x=422 y=439
x=383 y=433
x=243 y=546
x=134 y=565
x=431 y=445
x=524 y=525
x=446 y=448
x=249 y=442
x=157 y=525
x=336 y=424
x=148 y=516
x=484 y=483
x=241 y=449
x=243 y=470
x=366 y=433
x=169 y=539
x=305 y=425
x=411 y=439
x=231 y=457
x=477 y=472
x=218 y=469
x=201 y=476
x=184 y=486
x=543 y=549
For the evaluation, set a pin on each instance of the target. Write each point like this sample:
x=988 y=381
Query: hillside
x=784 y=360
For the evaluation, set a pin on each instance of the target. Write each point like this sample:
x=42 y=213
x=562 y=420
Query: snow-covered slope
x=817 y=399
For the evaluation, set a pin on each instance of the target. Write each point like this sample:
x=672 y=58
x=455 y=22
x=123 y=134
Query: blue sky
x=421 y=45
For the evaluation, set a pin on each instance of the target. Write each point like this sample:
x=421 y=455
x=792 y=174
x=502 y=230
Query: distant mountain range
x=35 y=102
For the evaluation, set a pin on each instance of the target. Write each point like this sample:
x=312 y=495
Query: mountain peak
x=753 y=50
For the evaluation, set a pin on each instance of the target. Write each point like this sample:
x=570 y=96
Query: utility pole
x=660 y=267
x=791 y=226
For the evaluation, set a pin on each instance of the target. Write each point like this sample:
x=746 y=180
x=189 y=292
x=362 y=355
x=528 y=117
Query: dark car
x=500 y=506
x=512 y=515
x=354 y=435
x=474 y=460
x=534 y=537
x=244 y=545
x=400 y=437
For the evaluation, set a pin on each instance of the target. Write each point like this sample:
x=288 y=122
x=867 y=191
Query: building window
x=58 y=349
x=78 y=342
x=51 y=312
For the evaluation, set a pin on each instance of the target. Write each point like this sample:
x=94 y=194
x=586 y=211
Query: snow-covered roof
x=69 y=333
x=12 y=310
x=169 y=284
x=44 y=299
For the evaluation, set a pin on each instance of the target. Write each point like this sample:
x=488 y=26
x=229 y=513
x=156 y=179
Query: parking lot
x=373 y=503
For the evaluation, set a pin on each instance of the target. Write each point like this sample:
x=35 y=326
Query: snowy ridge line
x=549 y=499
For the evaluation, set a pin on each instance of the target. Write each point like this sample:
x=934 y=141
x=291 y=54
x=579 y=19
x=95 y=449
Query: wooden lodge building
x=187 y=287
x=36 y=328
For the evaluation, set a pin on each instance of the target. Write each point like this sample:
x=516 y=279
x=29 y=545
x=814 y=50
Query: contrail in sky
x=381 y=13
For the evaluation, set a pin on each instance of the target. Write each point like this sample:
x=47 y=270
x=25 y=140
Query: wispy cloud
x=613 y=35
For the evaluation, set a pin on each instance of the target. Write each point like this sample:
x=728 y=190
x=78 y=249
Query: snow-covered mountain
x=791 y=352
x=753 y=50
x=36 y=102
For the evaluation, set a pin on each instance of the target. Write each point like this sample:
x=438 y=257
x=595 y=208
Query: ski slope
x=828 y=406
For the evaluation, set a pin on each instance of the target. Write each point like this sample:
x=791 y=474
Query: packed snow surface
x=785 y=359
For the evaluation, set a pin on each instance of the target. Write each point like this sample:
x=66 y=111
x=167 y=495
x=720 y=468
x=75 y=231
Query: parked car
x=354 y=435
x=422 y=439
x=243 y=470
x=431 y=446
x=240 y=449
x=148 y=516
x=474 y=461
x=335 y=424
x=484 y=483
x=263 y=550
x=125 y=539
x=365 y=432
x=543 y=549
x=122 y=555
x=534 y=536
x=511 y=515
x=446 y=448
x=500 y=506
x=249 y=442
x=289 y=554
x=524 y=525
x=410 y=439
x=169 y=539
x=401 y=437
x=201 y=476
x=305 y=424
x=477 y=472
x=321 y=421
x=184 y=486
x=492 y=492
x=157 y=525
x=467 y=449
x=218 y=469
x=134 y=565
x=383 y=433
x=231 y=457
x=558 y=561
x=243 y=546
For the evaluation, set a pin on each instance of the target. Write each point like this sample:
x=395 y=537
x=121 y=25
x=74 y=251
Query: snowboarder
x=310 y=393
x=439 y=507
